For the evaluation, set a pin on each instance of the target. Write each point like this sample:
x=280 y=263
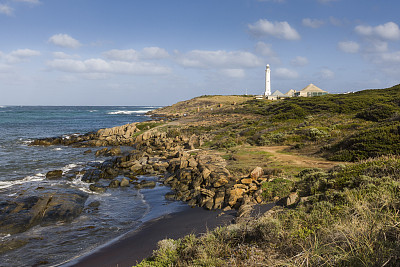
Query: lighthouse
x=267 y=81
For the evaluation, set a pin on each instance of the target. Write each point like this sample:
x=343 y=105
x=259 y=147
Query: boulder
x=170 y=196
x=101 y=152
x=114 y=184
x=219 y=199
x=220 y=182
x=246 y=181
x=97 y=188
x=207 y=193
x=256 y=173
x=209 y=204
x=145 y=184
x=291 y=199
x=234 y=195
x=94 y=204
x=20 y=214
x=114 y=151
x=124 y=182
x=56 y=174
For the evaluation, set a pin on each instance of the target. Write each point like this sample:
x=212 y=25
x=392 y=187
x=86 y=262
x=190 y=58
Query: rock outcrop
x=24 y=212
x=200 y=178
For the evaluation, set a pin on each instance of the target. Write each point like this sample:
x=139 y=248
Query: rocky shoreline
x=196 y=176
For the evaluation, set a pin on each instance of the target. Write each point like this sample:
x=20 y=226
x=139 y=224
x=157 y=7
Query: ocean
x=23 y=169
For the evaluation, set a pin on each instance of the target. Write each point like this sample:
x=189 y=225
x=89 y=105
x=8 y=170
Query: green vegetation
x=348 y=216
x=346 y=127
x=276 y=189
x=379 y=140
x=147 y=125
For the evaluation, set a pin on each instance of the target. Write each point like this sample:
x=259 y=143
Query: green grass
x=348 y=216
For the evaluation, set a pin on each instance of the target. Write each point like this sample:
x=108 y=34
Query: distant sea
x=23 y=168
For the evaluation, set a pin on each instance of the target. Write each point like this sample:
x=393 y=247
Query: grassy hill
x=345 y=127
x=347 y=215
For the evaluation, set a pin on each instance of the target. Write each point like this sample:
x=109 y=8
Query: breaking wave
x=129 y=112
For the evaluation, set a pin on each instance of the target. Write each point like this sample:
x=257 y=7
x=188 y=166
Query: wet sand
x=139 y=244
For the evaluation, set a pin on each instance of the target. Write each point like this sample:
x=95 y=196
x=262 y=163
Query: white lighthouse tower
x=267 y=81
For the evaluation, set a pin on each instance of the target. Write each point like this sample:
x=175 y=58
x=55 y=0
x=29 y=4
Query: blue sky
x=158 y=52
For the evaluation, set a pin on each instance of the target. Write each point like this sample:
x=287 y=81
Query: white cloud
x=5 y=68
x=29 y=1
x=133 y=55
x=312 y=23
x=5 y=9
x=218 y=59
x=64 y=40
x=19 y=55
x=264 y=49
x=285 y=73
x=96 y=65
x=377 y=46
x=23 y=53
x=154 y=53
x=326 y=74
x=233 y=73
x=299 y=61
x=122 y=55
x=349 y=47
x=387 y=31
x=277 y=29
x=63 y=55
x=393 y=57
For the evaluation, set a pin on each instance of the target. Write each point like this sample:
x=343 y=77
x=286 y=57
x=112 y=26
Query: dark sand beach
x=139 y=244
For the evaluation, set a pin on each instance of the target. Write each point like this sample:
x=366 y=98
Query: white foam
x=93 y=110
x=32 y=178
x=129 y=112
x=25 y=142
x=69 y=167
x=58 y=148
x=2 y=237
x=68 y=136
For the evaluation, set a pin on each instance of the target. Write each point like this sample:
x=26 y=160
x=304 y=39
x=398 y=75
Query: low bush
x=348 y=216
x=379 y=140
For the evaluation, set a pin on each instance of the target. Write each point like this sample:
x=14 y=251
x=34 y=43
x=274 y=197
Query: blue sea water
x=23 y=169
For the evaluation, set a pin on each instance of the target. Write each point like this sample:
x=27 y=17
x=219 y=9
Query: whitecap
x=25 y=142
x=94 y=110
x=3 y=237
x=78 y=183
x=58 y=148
x=32 y=178
x=69 y=167
x=128 y=112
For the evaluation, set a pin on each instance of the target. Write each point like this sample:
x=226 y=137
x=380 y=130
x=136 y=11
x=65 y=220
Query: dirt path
x=293 y=159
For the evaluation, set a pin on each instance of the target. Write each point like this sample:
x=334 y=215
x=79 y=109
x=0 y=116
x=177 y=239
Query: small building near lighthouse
x=310 y=90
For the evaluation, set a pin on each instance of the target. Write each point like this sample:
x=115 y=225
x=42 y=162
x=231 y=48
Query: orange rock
x=256 y=173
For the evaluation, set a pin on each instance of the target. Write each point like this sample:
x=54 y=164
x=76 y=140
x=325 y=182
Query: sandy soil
x=279 y=155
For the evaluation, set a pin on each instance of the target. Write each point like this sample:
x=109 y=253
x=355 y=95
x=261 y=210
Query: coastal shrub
x=315 y=134
x=148 y=125
x=277 y=188
x=340 y=223
x=373 y=142
x=271 y=138
x=378 y=112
